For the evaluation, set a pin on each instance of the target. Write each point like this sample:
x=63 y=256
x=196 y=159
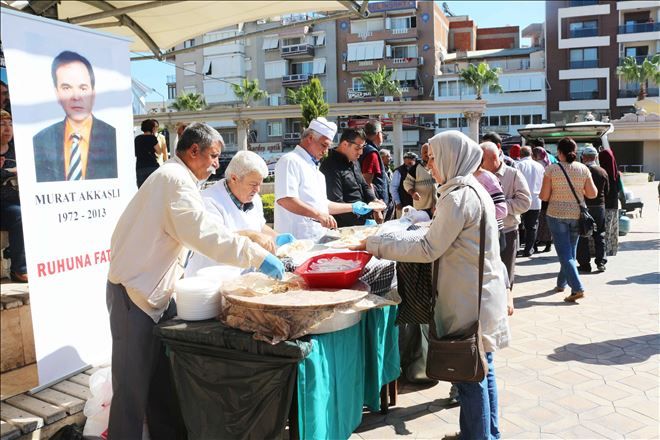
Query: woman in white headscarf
x=453 y=239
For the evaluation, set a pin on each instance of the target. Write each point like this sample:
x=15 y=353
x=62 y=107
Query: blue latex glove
x=361 y=208
x=284 y=239
x=272 y=267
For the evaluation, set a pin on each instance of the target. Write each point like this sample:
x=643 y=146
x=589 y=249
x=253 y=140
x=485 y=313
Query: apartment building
x=408 y=36
x=586 y=41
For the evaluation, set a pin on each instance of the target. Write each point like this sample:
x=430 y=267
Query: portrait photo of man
x=80 y=147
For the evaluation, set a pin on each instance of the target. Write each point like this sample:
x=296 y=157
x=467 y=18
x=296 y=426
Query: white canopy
x=164 y=24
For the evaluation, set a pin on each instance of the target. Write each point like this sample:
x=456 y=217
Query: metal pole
x=119 y=11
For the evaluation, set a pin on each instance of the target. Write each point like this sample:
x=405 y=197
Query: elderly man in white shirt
x=302 y=207
x=236 y=202
x=533 y=172
x=164 y=219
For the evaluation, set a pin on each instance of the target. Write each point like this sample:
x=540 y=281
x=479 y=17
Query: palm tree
x=248 y=91
x=632 y=72
x=310 y=98
x=481 y=76
x=189 y=102
x=381 y=82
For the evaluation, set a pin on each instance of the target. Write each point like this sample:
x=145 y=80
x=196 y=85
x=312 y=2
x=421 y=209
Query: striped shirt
x=562 y=202
x=492 y=185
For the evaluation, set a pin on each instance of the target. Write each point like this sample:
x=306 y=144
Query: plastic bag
x=97 y=408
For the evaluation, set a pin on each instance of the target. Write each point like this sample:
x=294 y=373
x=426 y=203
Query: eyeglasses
x=358 y=146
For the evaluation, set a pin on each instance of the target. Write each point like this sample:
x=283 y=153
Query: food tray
x=338 y=280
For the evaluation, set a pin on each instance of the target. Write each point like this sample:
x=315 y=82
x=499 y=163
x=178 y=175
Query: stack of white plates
x=219 y=273
x=197 y=298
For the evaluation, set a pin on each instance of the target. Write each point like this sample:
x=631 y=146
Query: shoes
x=574 y=297
x=584 y=269
x=548 y=247
x=18 y=277
x=528 y=253
x=559 y=289
x=600 y=267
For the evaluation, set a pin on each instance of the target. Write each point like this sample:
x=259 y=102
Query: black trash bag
x=68 y=432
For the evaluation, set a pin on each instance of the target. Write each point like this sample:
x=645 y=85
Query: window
x=318 y=66
x=527 y=119
x=582 y=2
x=372 y=50
x=453 y=122
x=171 y=92
x=306 y=67
x=581 y=89
x=275 y=69
x=580 y=29
x=358 y=84
x=318 y=39
x=274 y=129
x=403 y=23
x=442 y=123
x=189 y=69
x=292 y=41
x=404 y=51
x=229 y=136
x=584 y=58
x=536 y=119
x=274 y=99
x=504 y=120
x=515 y=119
x=494 y=121
x=364 y=27
x=270 y=42
x=296 y=127
x=189 y=43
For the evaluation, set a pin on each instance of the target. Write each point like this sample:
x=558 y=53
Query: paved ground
x=586 y=371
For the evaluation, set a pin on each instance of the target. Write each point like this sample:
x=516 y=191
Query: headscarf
x=542 y=156
x=514 y=152
x=456 y=158
x=608 y=163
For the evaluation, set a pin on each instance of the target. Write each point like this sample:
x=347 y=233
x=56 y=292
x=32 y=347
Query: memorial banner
x=71 y=97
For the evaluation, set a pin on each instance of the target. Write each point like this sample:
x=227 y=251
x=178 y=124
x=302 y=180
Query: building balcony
x=638 y=28
x=632 y=93
x=171 y=79
x=574 y=3
x=385 y=34
x=635 y=5
x=297 y=51
x=639 y=59
x=290 y=139
x=296 y=79
x=583 y=64
x=406 y=92
x=390 y=63
x=583 y=33
x=583 y=96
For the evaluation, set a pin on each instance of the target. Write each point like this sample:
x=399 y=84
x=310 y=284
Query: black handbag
x=586 y=223
x=459 y=357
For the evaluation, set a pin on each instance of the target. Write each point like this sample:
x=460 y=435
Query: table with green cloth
x=337 y=374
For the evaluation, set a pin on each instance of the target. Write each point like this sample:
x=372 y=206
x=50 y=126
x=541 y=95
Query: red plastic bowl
x=335 y=280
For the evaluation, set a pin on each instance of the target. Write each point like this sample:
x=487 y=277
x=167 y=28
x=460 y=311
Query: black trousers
x=530 y=222
x=141 y=378
x=508 y=254
x=583 y=255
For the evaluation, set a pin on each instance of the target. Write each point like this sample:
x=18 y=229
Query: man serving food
x=302 y=207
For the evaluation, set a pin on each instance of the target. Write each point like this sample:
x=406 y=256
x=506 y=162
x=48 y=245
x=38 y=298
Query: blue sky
x=484 y=13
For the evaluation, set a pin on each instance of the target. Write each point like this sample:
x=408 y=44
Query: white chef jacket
x=296 y=175
x=219 y=203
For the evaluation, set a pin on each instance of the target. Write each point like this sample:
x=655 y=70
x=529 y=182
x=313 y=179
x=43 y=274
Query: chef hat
x=589 y=150
x=324 y=127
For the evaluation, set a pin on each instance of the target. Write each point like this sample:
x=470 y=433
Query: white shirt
x=296 y=175
x=394 y=186
x=533 y=172
x=165 y=218
x=219 y=204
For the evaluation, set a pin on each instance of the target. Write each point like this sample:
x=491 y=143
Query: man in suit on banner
x=80 y=147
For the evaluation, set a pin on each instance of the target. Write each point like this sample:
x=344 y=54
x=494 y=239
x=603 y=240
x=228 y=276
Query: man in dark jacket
x=373 y=168
x=344 y=181
x=596 y=208
x=399 y=195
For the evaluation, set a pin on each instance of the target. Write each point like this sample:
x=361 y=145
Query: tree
x=381 y=82
x=481 y=76
x=248 y=91
x=189 y=102
x=311 y=101
x=632 y=72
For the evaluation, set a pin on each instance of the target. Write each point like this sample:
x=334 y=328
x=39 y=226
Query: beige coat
x=453 y=238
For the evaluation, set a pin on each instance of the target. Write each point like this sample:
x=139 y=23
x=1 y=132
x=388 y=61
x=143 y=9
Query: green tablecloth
x=344 y=372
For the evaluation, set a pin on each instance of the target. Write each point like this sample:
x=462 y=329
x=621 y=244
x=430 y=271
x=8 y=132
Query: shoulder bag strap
x=482 y=256
x=570 y=184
